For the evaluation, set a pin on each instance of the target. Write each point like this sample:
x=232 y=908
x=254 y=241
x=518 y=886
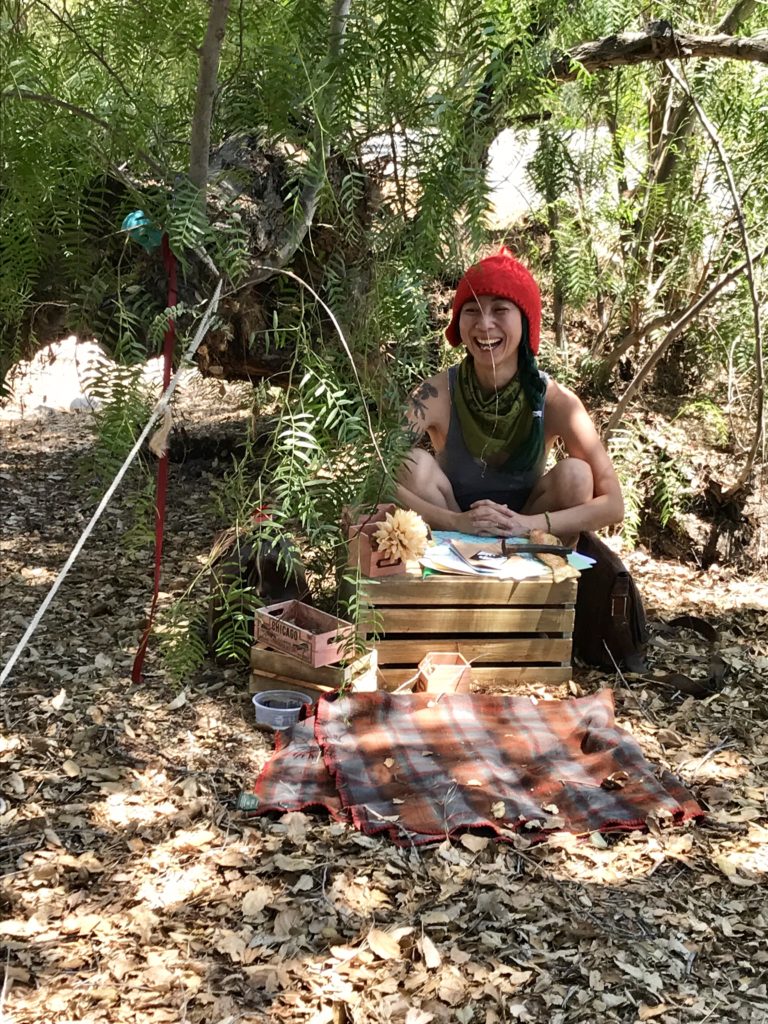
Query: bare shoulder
x=560 y=399
x=565 y=415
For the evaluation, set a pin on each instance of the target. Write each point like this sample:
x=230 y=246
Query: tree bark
x=210 y=53
x=674 y=332
x=659 y=42
x=709 y=128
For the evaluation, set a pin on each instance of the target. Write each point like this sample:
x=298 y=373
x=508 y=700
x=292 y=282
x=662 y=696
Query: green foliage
x=394 y=134
x=123 y=405
x=629 y=453
x=709 y=415
x=232 y=625
x=655 y=484
x=180 y=632
x=669 y=489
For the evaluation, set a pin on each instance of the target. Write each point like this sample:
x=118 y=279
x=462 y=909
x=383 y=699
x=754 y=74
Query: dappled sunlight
x=134 y=893
x=127 y=808
x=173 y=883
x=38 y=575
x=744 y=861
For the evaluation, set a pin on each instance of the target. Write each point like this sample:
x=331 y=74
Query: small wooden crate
x=304 y=632
x=271 y=670
x=510 y=631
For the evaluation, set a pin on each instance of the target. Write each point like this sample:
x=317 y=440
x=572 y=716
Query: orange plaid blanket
x=420 y=768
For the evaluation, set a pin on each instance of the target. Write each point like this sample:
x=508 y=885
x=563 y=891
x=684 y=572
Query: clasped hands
x=488 y=519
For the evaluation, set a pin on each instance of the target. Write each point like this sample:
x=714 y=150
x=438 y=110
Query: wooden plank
x=332 y=676
x=466 y=621
x=487 y=677
x=493 y=651
x=454 y=590
x=260 y=681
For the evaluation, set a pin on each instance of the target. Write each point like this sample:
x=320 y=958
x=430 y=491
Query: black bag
x=609 y=612
x=266 y=566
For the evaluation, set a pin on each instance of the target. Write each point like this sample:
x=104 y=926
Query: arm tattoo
x=412 y=432
x=420 y=397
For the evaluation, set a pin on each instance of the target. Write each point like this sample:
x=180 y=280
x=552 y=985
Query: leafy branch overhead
x=353 y=146
x=659 y=42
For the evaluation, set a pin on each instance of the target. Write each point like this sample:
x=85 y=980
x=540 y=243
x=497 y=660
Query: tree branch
x=675 y=331
x=200 y=135
x=709 y=128
x=737 y=15
x=27 y=94
x=660 y=42
x=66 y=22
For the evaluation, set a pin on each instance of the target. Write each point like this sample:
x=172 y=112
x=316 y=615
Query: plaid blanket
x=421 y=768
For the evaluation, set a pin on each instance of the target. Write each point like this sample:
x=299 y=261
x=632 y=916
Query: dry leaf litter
x=132 y=891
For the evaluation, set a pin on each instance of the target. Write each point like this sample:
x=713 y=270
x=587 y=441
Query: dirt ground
x=132 y=890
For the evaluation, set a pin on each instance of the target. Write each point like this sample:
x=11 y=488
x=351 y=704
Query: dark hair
x=533 y=383
x=534 y=386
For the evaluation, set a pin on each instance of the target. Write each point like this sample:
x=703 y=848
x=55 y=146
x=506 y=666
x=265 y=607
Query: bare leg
x=421 y=475
x=567 y=484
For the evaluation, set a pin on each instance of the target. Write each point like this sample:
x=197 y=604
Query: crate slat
x=468 y=620
x=330 y=676
x=494 y=651
x=487 y=677
x=512 y=631
x=260 y=681
x=457 y=590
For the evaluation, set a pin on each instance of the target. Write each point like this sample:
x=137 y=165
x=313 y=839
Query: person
x=493 y=419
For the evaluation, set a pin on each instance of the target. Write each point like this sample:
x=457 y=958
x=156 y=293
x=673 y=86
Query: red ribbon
x=169 y=338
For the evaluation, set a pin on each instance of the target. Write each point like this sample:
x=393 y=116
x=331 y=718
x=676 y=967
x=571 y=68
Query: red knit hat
x=499 y=275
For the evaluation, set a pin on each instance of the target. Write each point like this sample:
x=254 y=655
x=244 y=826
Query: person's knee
x=416 y=469
x=574 y=482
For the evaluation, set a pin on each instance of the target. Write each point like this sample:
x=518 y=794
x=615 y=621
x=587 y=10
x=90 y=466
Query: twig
x=18 y=93
x=646 y=714
x=724 y=745
x=677 y=328
x=6 y=984
x=760 y=396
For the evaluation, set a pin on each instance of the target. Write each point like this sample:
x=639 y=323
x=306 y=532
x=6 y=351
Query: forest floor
x=132 y=890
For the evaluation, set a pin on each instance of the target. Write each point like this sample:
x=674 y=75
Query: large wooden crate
x=511 y=631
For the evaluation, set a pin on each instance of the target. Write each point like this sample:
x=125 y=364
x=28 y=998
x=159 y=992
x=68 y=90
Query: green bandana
x=500 y=428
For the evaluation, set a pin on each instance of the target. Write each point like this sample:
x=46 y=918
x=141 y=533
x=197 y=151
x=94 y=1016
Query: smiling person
x=493 y=418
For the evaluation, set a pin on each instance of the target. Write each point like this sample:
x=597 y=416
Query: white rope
x=158 y=411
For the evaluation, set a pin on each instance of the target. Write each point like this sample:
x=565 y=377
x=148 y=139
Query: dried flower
x=403 y=534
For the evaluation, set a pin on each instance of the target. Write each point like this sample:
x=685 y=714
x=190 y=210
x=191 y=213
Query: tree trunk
x=210 y=52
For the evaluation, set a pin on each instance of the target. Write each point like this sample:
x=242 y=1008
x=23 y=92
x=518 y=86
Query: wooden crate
x=272 y=670
x=306 y=633
x=510 y=631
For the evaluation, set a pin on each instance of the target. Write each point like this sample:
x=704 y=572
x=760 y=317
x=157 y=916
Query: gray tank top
x=473 y=479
